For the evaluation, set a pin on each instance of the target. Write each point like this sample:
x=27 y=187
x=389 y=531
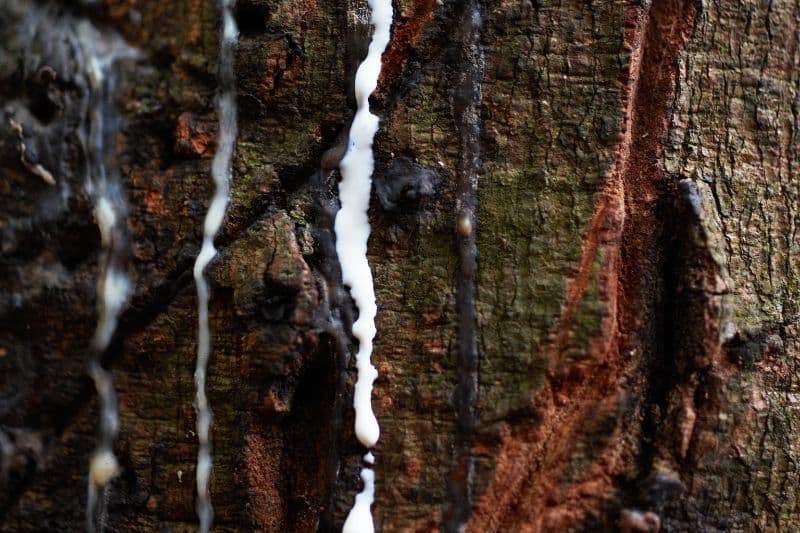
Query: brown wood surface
x=636 y=296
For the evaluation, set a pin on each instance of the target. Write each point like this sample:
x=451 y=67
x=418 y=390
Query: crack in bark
x=650 y=273
x=337 y=322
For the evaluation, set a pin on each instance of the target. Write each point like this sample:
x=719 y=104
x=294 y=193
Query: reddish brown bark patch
x=191 y=138
x=405 y=35
x=262 y=457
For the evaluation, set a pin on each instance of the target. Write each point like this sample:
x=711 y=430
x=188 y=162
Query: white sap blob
x=105 y=218
x=352 y=225
x=352 y=233
x=221 y=174
x=103 y=467
x=359 y=520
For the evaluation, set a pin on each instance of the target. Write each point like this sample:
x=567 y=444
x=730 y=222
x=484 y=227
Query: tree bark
x=584 y=246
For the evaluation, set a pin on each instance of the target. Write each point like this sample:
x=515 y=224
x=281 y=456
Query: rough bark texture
x=630 y=175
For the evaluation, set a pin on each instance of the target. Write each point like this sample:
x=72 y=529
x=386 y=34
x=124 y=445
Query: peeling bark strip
x=221 y=173
x=625 y=229
x=35 y=168
x=466 y=103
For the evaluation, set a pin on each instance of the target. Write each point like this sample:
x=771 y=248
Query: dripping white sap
x=221 y=174
x=352 y=233
x=100 y=53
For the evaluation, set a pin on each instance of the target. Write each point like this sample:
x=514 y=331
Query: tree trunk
x=620 y=354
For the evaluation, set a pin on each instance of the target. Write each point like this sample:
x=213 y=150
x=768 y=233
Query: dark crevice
x=295 y=177
x=251 y=17
x=307 y=473
x=42 y=104
x=688 y=339
x=77 y=244
x=658 y=364
x=276 y=302
x=337 y=320
x=662 y=317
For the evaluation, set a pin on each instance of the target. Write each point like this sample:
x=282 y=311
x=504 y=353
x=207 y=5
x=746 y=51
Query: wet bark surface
x=606 y=341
